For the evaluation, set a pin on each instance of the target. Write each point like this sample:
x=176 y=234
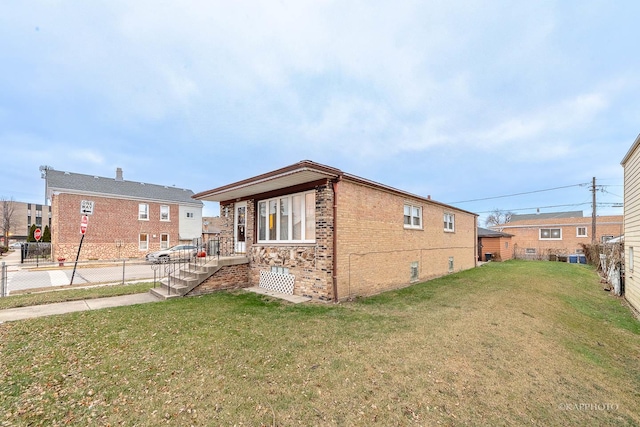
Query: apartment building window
x=143 y=242
x=189 y=214
x=550 y=234
x=288 y=218
x=143 y=211
x=581 y=231
x=164 y=241
x=412 y=216
x=164 y=213
x=449 y=222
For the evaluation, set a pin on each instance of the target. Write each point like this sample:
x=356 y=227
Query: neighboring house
x=494 y=245
x=631 y=165
x=536 y=236
x=332 y=236
x=25 y=215
x=129 y=218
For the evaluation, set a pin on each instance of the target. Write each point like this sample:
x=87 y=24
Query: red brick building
x=330 y=235
x=536 y=236
x=128 y=218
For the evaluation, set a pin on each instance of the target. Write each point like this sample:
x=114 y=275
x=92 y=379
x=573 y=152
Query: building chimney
x=119 y=174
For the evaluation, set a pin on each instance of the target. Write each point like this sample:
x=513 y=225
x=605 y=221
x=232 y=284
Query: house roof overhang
x=633 y=148
x=300 y=173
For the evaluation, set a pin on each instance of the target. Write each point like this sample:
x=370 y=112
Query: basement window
x=415 y=271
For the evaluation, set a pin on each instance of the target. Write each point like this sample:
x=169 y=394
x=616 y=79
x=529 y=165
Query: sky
x=464 y=101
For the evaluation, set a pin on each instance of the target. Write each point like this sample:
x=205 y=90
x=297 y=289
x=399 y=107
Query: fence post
x=3 y=280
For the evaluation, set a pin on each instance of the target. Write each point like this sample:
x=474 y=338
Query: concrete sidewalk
x=12 y=314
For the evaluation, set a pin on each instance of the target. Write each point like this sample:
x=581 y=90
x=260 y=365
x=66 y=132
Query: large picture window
x=288 y=218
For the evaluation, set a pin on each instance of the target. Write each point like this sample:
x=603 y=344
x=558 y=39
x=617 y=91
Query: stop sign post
x=37 y=234
x=83 y=229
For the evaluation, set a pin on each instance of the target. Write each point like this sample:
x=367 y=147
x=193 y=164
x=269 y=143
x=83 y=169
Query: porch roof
x=296 y=174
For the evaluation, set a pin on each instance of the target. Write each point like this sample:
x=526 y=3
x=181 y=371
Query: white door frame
x=240 y=220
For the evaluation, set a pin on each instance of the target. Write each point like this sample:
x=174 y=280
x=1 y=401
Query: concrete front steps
x=180 y=282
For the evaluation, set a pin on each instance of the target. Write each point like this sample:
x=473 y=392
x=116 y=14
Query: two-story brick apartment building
x=536 y=236
x=129 y=218
x=336 y=236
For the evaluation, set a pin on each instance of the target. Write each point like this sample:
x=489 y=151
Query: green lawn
x=74 y=294
x=514 y=343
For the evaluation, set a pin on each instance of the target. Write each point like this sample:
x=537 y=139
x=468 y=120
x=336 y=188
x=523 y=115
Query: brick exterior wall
x=228 y=277
x=501 y=248
x=375 y=251
x=114 y=222
x=526 y=234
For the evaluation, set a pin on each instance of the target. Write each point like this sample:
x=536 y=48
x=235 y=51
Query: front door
x=240 y=227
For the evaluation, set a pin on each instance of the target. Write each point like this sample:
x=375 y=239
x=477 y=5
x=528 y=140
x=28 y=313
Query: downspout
x=335 y=240
x=475 y=244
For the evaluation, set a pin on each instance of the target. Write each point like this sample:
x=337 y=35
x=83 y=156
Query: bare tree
x=6 y=219
x=498 y=217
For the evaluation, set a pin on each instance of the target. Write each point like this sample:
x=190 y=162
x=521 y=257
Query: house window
x=143 y=242
x=449 y=222
x=415 y=271
x=581 y=231
x=164 y=213
x=506 y=245
x=189 y=214
x=143 y=211
x=288 y=218
x=412 y=216
x=550 y=234
x=279 y=270
x=631 y=259
x=530 y=251
x=164 y=241
x=606 y=238
x=450 y=264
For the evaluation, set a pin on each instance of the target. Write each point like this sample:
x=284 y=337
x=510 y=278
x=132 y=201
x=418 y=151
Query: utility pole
x=593 y=212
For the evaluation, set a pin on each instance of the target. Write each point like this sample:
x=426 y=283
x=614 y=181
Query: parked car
x=174 y=253
x=15 y=245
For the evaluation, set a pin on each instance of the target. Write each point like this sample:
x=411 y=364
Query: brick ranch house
x=129 y=218
x=536 y=236
x=333 y=236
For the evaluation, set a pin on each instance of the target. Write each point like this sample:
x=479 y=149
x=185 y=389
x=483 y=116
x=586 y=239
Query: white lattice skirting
x=277 y=282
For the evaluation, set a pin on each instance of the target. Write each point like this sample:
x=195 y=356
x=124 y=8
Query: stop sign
x=37 y=234
x=83 y=224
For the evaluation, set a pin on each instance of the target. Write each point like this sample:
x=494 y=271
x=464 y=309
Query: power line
x=520 y=194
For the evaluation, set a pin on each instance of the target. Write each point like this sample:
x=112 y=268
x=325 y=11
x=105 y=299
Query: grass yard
x=513 y=343
x=26 y=299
